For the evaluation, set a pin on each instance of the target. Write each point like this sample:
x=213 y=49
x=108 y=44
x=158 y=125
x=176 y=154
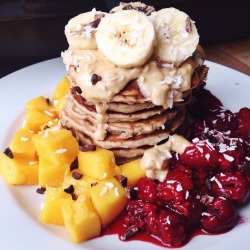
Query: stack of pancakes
x=133 y=123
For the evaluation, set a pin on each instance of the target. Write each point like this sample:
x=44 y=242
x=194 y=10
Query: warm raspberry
x=244 y=167
x=221 y=120
x=147 y=190
x=232 y=185
x=172 y=228
x=243 y=117
x=198 y=130
x=201 y=156
x=220 y=216
x=183 y=175
x=171 y=190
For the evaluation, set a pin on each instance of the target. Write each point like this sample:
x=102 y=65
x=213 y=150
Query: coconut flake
x=228 y=157
x=61 y=151
x=104 y=190
x=24 y=139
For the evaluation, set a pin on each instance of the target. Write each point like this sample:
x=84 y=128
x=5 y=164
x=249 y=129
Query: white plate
x=20 y=206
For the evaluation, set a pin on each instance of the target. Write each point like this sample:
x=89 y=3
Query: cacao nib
x=95 y=78
x=158 y=61
x=74 y=165
x=9 y=153
x=48 y=101
x=123 y=180
x=41 y=190
x=46 y=127
x=127 y=7
x=85 y=148
x=73 y=196
x=69 y=190
x=77 y=175
x=131 y=231
x=188 y=25
x=77 y=89
x=93 y=184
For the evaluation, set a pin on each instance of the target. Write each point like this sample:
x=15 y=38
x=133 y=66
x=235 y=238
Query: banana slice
x=176 y=34
x=80 y=30
x=126 y=38
x=139 y=6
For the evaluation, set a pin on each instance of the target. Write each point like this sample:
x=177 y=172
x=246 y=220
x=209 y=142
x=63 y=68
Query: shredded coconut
x=61 y=151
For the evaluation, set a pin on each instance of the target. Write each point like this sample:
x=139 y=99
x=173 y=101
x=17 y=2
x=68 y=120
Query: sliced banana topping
x=80 y=30
x=177 y=36
x=126 y=38
x=139 y=6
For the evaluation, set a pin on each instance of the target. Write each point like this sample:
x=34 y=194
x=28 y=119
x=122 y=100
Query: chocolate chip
x=73 y=197
x=48 y=101
x=131 y=231
x=123 y=180
x=77 y=175
x=69 y=190
x=46 y=127
x=97 y=20
x=93 y=184
x=158 y=61
x=211 y=138
x=85 y=148
x=41 y=190
x=9 y=153
x=77 y=89
x=127 y=7
x=74 y=165
x=95 y=78
x=188 y=25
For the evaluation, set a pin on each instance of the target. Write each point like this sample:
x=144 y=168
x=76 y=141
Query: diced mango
x=22 y=144
x=57 y=146
x=81 y=220
x=81 y=185
x=56 y=150
x=51 y=174
x=133 y=171
x=109 y=199
x=99 y=164
x=38 y=112
x=55 y=199
x=19 y=170
x=60 y=93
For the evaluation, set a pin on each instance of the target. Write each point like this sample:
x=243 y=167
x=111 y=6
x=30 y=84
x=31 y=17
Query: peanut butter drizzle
x=161 y=85
x=155 y=160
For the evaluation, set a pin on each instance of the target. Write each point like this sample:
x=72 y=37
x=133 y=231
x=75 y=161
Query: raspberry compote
x=204 y=186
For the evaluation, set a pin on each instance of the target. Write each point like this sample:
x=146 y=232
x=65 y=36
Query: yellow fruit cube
x=81 y=220
x=60 y=94
x=19 y=170
x=51 y=174
x=22 y=144
x=55 y=199
x=81 y=183
x=38 y=113
x=56 y=145
x=109 y=199
x=99 y=164
x=133 y=171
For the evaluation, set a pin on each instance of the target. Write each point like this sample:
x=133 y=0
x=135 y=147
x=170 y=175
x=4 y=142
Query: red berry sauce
x=204 y=186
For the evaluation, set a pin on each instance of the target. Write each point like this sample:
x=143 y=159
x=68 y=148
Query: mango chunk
x=38 y=112
x=99 y=164
x=81 y=220
x=109 y=199
x=56 y=150
x=133 y=171
x=60 y=94
x=22 y=144
x=55 y=199
x=19 y=170
x=81 y=185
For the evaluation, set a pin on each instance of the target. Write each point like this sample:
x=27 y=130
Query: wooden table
x=234 y=54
